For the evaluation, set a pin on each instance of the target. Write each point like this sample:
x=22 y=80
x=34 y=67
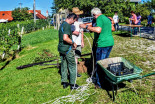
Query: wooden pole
x=34 y=11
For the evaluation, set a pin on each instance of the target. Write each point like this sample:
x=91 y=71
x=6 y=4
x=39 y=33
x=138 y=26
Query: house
x=38 y=14
x=7 y=15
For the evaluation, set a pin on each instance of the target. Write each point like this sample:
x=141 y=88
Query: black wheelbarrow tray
x=115 y=80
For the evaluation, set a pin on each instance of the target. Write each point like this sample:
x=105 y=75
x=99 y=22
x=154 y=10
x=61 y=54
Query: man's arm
x=118 y=19
x=82 y=40
x=68 y=40
x=94 y=29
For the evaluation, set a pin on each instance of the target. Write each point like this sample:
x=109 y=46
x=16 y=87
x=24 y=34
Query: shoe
x=78 y=75
x=65 y=84
x=74 y=86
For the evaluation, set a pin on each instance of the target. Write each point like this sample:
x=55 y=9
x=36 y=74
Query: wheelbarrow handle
x=148 y=75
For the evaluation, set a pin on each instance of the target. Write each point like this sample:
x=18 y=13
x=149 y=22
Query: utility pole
x=20 y=5
x=34 y=11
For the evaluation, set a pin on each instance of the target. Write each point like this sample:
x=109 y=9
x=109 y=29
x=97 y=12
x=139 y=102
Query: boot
x=65 y=84
x=74 y=86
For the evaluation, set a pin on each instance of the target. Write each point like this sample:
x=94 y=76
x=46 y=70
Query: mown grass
x=40 y=84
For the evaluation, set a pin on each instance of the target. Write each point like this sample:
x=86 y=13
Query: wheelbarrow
x=116 y=79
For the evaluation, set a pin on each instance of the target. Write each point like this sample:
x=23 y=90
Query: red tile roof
x=8 y=15
x=31 y=11
x=38 y=14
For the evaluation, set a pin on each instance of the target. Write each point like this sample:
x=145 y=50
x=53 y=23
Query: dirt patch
x=81 y=67
x=85 y=66
x=29 y=47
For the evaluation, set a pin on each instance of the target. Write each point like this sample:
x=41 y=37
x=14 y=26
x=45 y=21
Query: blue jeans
x=101 y=53
x=149 y=22
x=116 y=26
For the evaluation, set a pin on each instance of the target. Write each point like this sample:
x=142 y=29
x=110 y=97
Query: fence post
x=22 y=31
x=3 y=55
x=18 y=25
x=3 y=51
x=49 y=24
x=19 y=38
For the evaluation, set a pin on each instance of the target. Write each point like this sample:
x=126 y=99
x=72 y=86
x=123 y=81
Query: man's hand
x=82 y=26
x=74 y=45
x=94 y=29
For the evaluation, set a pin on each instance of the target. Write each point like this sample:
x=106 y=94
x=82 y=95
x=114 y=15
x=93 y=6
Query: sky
x=43 y=5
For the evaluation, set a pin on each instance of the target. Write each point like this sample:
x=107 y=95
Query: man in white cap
x=77 y=34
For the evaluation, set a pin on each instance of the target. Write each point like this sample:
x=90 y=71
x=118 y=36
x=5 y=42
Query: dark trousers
x=116 y=26
x=68 y=65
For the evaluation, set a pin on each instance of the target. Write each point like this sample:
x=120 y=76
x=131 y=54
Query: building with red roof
x=7 y=15
x=38 y=14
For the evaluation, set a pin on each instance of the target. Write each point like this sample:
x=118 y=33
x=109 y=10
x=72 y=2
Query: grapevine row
x=11 y=33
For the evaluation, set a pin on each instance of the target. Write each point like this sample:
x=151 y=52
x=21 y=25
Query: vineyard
x=11 y=35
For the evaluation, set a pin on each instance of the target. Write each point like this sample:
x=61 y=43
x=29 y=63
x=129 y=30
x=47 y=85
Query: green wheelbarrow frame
x=115 y=80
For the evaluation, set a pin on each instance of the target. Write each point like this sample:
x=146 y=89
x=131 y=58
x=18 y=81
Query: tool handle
x=148 y=75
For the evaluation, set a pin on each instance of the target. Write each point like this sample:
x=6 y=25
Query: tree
x=85 y=5
x=21 y=14
x=108 y=7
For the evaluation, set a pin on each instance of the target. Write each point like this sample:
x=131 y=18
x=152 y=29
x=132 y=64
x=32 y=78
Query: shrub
x=126 y=20
x=7 y=40
x=153 y=24
x=109 y=14
x=153 y=17
x=144 y=23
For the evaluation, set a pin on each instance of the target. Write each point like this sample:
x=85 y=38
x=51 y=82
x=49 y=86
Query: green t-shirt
x=105 y=38
x=63 y=46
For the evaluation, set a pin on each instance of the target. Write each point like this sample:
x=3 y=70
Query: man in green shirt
x=103 y=38
x=65 y=48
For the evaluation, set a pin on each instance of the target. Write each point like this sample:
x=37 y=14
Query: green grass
x=40 y=84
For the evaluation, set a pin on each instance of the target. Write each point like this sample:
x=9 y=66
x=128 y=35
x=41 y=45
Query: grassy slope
x=39 y=84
